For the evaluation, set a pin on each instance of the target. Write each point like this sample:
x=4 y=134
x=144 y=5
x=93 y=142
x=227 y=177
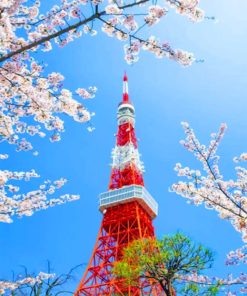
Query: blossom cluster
x=8 y=286
x=151 y=44
x=154 y=14
x=13 y=204
x=225 y=285
x=125 y=26
x=188 y=8
x=242 y=157
x=159 y=49
x=237 y=257
x=32 y=30
x=25 y=93
x=227 y=197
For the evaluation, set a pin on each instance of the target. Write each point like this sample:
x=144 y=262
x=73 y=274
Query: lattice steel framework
x=127 y=216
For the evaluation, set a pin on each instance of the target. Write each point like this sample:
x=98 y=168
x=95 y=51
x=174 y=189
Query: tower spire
x=127 y=167
x=125 y=88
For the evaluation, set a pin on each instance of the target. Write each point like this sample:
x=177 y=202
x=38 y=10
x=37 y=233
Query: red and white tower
x=127 y=208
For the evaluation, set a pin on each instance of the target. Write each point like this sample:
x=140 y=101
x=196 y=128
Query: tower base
x=120 y=226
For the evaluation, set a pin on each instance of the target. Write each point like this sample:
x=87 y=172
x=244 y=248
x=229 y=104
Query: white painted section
x=125 y=87
x=124 y=155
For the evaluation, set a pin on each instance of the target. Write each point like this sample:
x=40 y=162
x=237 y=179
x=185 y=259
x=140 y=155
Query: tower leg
x=120 y=226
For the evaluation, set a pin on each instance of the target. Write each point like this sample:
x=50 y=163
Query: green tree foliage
x=176 y=263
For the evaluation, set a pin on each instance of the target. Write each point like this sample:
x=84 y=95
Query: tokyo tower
x=128 y=210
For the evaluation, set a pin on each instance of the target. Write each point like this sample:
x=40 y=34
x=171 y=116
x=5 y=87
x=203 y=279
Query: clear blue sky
x=164 y=94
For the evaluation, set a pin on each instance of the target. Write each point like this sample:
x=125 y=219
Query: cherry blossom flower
x=130 y=23
x=242 y=157
x=155 y=13
x=87 y=94
x=7 y=286
x=183 y=57
x=3 y=156
x=113 y=9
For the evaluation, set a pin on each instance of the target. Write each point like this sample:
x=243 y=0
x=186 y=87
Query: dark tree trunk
x=167 y=288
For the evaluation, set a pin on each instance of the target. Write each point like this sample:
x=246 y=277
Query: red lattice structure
x=128 y=210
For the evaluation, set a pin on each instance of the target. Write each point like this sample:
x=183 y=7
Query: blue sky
x=164 y=94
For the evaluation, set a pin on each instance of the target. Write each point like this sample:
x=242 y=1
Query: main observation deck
x=128 y=194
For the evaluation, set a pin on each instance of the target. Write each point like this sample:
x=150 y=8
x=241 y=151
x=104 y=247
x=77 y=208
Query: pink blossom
x=130 y=23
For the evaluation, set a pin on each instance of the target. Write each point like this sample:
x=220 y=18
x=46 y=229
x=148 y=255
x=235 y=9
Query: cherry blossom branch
x=48 y=38
x=94 y=16
x=237 y=257
x=42 y=284
x=228 y=198
x=184 y=8
x=207 y=162
x=12 y=204
x=6 y=286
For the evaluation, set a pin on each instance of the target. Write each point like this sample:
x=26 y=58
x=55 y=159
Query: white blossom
x=8 y=286
x=13 y=204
